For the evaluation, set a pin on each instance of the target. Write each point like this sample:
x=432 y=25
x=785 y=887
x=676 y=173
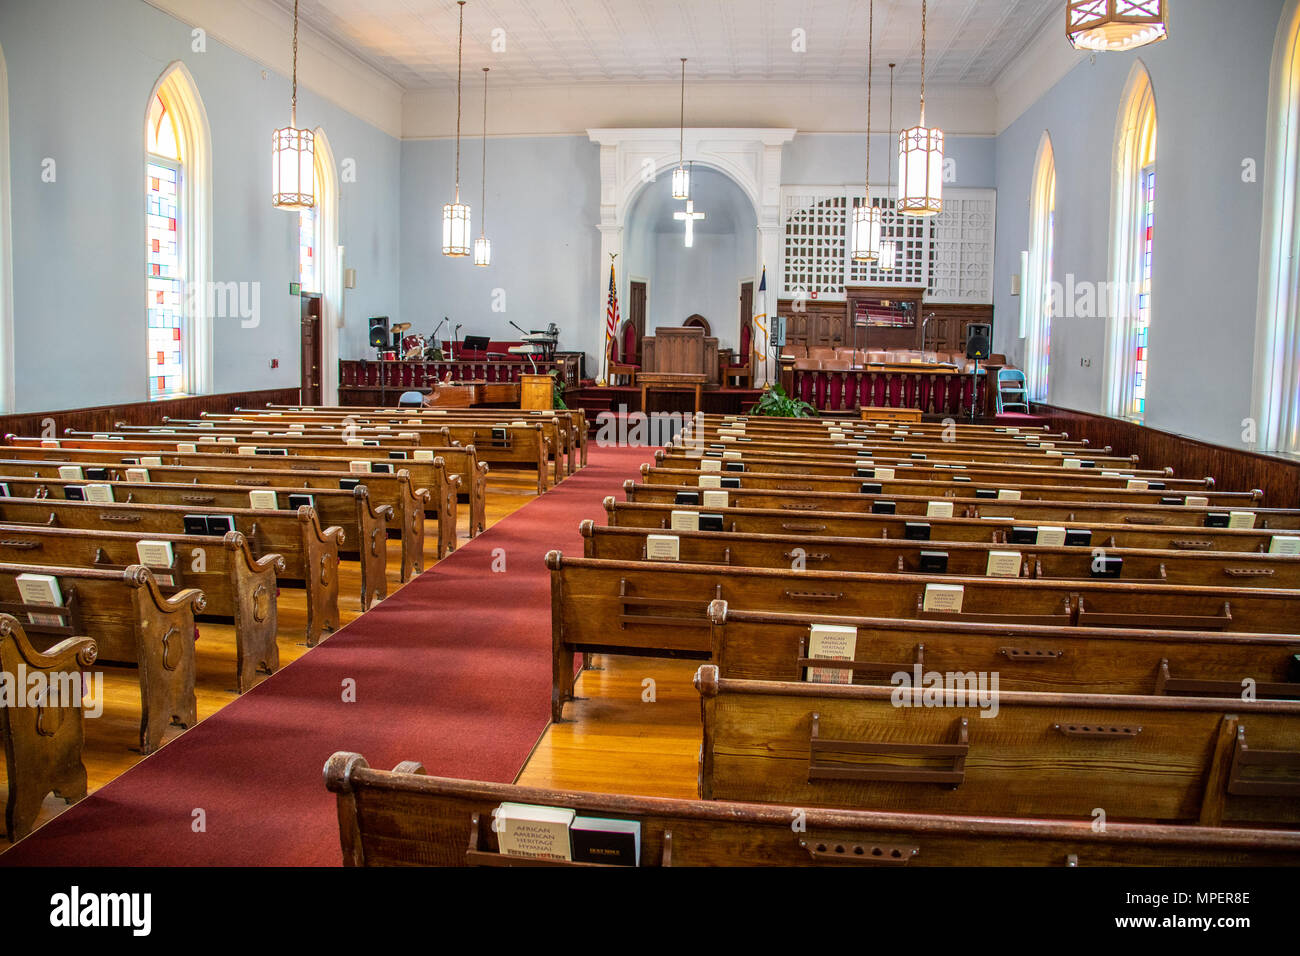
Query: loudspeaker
x=978 y=335
x=379 y=332
x=778 y=331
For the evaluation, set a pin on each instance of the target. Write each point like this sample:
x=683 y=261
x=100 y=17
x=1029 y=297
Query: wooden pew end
x=587 y=527
x=339 y=768
x=706 y=680
x=718 y=611
x=554 y=560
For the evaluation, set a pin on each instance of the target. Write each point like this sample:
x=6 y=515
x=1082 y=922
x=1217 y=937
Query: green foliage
x=775 y=403
x=559 y=390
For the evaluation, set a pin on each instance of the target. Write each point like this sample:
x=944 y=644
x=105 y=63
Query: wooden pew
x=930 y=470
x=131 y=621
x=771 y=645
x=816 y=524
x=461 y=463
x=1042 y=511
x=904 y=483
x=395 y=490
x=960 y=558
x=235 y=584
x=660 y=609
x=352 y=511
x=311 y=555
x=403 y=817
x=1175 y=760
x=42 y=745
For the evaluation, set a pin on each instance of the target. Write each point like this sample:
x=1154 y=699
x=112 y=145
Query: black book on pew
x=612 y=842
x=397 y=454
x=884 y=507
x=986 y=493
x=4 y=490
x=1107 y=566
x=934 y=562
x=347 y=484
x=372 y=442
x=1170 y=500
x=74 y=493
x=196 y=524
x=1078 y=538
x=729 y=482
x=1217 y=519
x=710 y=521
x=687 y=498
x=1156 y=486
x=97 y=474
x=219 y=525
x=1023 y=536
x=382 y=467
x=916 y=531
x=871 y=488
x=1087 y=463
x=735 y=466
x=130 y=461
x=299 y=501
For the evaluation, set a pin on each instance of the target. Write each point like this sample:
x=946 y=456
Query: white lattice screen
x=951 y=253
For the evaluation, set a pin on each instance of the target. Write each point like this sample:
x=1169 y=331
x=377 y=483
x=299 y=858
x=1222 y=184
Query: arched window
x=6 y=254
x=1132 y=245
x=1277 y=332
x=319 y=261
x=1037 y=302
x=179 y=299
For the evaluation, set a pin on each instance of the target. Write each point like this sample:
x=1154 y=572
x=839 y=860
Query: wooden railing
x=935 y=390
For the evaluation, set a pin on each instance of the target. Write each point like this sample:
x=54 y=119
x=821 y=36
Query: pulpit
x=675 y=359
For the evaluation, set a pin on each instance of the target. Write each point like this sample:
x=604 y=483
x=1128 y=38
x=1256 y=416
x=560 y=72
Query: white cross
x=689 y=216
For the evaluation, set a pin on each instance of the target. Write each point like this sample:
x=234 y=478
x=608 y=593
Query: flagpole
x=609 y=316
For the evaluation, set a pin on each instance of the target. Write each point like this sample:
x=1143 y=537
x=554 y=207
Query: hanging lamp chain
x=871 y=22
x=681 y=146
x=482 y=213
x=293 y=103
x=922 y=62
x=460 y=47
x=889 y=153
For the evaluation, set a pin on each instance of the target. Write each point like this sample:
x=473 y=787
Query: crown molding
x=1043 y=63
x=261 y=30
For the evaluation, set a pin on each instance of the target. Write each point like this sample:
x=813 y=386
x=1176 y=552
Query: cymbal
x=401 y=326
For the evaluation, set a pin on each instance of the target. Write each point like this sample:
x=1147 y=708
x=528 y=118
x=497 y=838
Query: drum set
x=412 y=346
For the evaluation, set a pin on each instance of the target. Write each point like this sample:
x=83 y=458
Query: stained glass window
x=1142 y=324
x=163 y=276
x=308 y=273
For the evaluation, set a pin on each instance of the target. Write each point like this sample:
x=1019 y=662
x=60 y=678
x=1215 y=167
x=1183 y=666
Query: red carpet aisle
x=453 y=670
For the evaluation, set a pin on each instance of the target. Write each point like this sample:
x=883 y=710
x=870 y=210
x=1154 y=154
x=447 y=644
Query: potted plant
x=775 y=403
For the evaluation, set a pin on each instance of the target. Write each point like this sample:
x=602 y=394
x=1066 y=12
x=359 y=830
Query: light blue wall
x=79 y=80
x=831 y=159
x=1210 y=80
x=543 y=204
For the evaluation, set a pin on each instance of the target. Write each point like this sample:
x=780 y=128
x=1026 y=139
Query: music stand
x=475 y=343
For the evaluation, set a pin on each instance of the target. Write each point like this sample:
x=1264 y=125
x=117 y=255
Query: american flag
x=611 y=313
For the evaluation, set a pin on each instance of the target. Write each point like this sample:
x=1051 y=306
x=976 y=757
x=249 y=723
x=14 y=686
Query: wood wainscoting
x=1232 y=468
x=104 y=417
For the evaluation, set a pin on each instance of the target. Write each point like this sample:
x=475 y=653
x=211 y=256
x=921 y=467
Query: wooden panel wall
x=103 y=417
x=825 y=323
x=1233 y=469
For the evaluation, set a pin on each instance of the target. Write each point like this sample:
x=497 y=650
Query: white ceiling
x=413 y=42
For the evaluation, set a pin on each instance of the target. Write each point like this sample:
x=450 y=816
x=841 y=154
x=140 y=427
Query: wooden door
x=746 y=315
x=310 y=355
x=636 y=304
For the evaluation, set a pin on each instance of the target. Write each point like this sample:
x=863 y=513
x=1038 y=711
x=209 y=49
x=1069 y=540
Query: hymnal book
x=347 y=484
x=41 y=589
x=1078 y=537
x=1003 y=564
x=300 y=501
x=74 y=493
x=726 y=439
x=359 y=467
x=97 y=474
x=1107 y=566
x=187 y=448
x=99 y=493
x=715 y=499
x=284 y=452
x=1284 y=544
x=196 y=524
x=942 y=597
x=884 y=474
x=1217 y=519
x=685 y=521
x=961 y=477
x=662 y=547
x=389 y=428
x=357 y=442
x=710 y=521
x=918 y=455
x=1013 y=431
x=1050 y=536
x=100 y=436
x=710 y=481
x=916 y=531
x=1241 y=519
x=423 y=454
x=1020 y=535
x=263 y=500
x=870 y=488
x=71 y=472
x=255 y=433
x=207 y=440
x=1196 y=501
x=1072 y=463
x=382 y=467
x=155 y=554
x=710 y=464
x=938 y=509
x=399 y=455
x=220 y=525
x=1136 y=484
x=1045 y=444
x=686 y=498
x=49 y=443
x=934 y=562
x=835 y=642
x=225 y=439
x=1008 y=494
x=731 y=456
x=370 y=442
x=884 y=507
x=729 y=482
x=138 y=475
x=247 y=450
x=985 y=493
x=540 y=832
x=613 y=842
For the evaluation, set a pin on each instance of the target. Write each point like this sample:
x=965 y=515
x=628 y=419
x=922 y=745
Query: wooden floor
x=113 y=739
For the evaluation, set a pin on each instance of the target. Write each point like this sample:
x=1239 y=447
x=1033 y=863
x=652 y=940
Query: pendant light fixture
x=866 y=217
x=293 y=152
x=920 y=158
x=889 y=247
x=1115 y=24
x=456 y=215
x=482 y=245
x=681 y=176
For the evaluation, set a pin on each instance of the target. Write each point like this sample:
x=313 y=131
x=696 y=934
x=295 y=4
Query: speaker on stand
x=979 y=337
x=379 y=333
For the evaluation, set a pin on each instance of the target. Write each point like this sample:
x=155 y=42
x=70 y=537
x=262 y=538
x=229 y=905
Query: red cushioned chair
x=742 y=372
x=627 y=368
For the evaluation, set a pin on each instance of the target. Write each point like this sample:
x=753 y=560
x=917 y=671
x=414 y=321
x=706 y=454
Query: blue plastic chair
x=1011 y=382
